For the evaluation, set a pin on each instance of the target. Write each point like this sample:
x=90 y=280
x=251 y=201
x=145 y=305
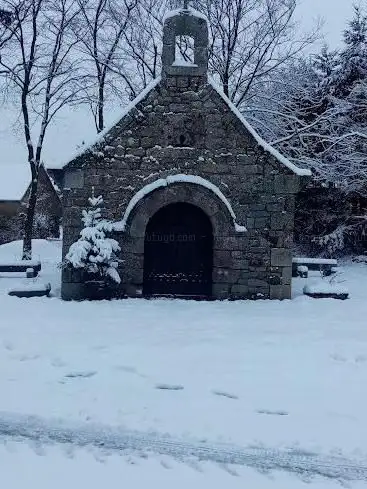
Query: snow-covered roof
x=101 y=136
x=185 y=11
x=266 y=146
x=14 y=181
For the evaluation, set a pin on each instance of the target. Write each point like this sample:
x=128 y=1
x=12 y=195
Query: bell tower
x=185 y=44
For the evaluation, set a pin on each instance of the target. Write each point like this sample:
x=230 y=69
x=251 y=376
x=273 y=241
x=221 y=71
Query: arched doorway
x=178 y=252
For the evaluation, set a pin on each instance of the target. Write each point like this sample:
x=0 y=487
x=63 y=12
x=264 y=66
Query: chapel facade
x=203 y=207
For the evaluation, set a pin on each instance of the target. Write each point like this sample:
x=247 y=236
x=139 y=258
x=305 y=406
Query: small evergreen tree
x=94 y=252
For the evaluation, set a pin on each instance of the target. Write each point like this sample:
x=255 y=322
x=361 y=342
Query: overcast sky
x=334 y=13
x=61 y=141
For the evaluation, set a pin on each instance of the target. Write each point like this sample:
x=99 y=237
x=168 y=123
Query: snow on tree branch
x=94 y=251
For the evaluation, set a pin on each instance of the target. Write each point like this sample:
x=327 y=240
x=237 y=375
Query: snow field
x=265 y=374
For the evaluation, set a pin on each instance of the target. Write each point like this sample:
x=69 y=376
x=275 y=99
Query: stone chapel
x=204 y=208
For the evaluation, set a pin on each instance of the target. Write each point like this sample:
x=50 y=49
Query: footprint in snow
x=272 y=413
x=8 y=345
x=129 y=370
x=169 y=387
x=225 y=394
x=57 y=362
x=27 y=358
x=80 y=375
x=338 y=358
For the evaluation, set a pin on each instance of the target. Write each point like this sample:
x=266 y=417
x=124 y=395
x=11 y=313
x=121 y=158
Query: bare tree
x=143 y=39
x=36 y=61
x=100 y=34
x=249 y=40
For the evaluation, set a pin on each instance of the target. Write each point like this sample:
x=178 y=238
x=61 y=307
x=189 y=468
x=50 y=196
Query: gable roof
x=101 y=136
x=14 y=181
x=261 y=142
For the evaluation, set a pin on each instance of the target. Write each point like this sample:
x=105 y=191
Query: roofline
x=266 y=146
x=144 y=93
x=102 y=135
x=41 y=167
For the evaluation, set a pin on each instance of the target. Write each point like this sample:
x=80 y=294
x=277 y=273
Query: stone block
x=275 y=206
x=220 y=291
x=281 y=257
x=240 y=264
x=256 y=261
x=220 y=275
x=239 y=291
x=147 y=142
x=282 y=221
x=286 y=184
x=287 y=275
x=250 y=223
x=280 y=292
x=254 y=282
x=222 y=259
x=74 y=179
x=178 y=108
x=132 y=290
x=261 y=222
x=133 y=275
x=230 y=243
x=72 y=291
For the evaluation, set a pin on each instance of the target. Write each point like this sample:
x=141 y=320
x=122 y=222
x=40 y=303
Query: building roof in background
x=14 y=181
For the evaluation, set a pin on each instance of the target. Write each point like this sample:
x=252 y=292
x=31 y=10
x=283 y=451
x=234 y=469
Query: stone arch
x=185 y=22
x=188 y=181
x=228 y=244
x=219 y=215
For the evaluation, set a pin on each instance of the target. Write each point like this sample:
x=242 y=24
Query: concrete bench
x=301 y=266
x=21 y=266
x=31 y=290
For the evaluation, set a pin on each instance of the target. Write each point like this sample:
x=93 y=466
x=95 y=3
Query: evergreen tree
x=94 y=252
x=353 y=58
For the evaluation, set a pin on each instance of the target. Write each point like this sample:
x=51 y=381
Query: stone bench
x=301 y=266
x=31 y=290
x=21 y=266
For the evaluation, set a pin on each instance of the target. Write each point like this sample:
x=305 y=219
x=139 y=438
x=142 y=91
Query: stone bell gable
x=182 y=157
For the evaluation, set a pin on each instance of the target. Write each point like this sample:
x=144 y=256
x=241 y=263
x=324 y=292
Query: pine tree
x=353 y=58
x=94 y=252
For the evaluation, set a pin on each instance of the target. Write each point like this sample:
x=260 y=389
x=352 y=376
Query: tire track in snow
x=303 y=463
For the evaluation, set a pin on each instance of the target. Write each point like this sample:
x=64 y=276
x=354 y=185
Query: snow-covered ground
x=162 y=393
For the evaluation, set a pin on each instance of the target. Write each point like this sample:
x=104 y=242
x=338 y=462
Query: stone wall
x=184 y=126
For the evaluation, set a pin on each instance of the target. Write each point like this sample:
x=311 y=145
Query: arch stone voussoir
x=202 y=197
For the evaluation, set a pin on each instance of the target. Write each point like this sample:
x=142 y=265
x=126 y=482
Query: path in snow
x=35 y=429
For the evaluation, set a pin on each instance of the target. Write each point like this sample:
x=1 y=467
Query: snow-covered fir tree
x=353 y=57
x=348 y=151
x=95 y=252
x=326 y=64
